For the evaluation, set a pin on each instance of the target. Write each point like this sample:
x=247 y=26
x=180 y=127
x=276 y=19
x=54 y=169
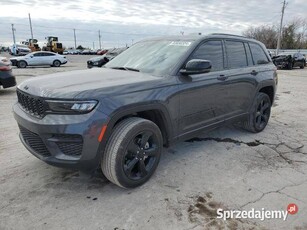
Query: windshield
x=154 y=57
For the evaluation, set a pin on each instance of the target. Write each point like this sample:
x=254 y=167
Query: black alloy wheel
x=262 y=114
x=259 y=115
x=141 y=155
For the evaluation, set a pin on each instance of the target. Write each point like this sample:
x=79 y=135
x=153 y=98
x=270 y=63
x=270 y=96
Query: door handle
x=254 y=72
x=222 y=77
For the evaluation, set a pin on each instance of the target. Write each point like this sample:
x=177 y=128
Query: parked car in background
x=102 y=52
x=6 y=77
x=100 y=61
x=39 y=58
x=86 y=52
x=289 y=61
x=72 y=51
x=19 y=50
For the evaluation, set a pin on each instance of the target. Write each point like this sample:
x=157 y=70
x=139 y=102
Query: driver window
x=211 y=51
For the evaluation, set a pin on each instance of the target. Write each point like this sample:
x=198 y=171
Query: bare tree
x=265 y=34
x=294 y=34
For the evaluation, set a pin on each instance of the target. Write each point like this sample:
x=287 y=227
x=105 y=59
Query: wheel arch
x=269 y=90
x=156 y=113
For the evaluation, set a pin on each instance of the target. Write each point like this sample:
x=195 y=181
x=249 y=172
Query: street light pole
x=280 y=28
x=31 y=26
x=75 y=39
x=99 y=39
x=14 y=40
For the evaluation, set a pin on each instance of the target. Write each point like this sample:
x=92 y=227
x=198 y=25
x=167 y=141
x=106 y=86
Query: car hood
x=93 y=83
x=18 y=58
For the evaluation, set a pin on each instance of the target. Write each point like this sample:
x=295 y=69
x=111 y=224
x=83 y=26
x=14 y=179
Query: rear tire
x=132 y=153
x=302 y=67
x=21 y=64
x=260 y=113
x=56 y=63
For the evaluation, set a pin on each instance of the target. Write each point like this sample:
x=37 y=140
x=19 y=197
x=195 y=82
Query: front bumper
x=69 y=141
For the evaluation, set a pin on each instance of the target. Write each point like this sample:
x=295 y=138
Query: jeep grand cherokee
x=155 y=93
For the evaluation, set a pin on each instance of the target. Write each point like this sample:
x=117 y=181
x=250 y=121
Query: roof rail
x=229 y=35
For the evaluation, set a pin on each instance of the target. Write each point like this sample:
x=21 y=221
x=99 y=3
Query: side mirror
x=31 y=56
x=196 y=66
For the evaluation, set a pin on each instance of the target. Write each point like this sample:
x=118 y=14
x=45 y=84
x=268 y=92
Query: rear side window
x=249 y=55
x=258 y=54
x=236 y=54
x=49 y=54
x=211 y=51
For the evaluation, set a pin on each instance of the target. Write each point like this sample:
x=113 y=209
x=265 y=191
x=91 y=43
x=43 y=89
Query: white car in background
x=19 y=50
x=39 y=58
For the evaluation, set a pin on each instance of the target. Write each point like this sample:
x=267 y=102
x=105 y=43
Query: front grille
x=34 y=142
x=34 y=105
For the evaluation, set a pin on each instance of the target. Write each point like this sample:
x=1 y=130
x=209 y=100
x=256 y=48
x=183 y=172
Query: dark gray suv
x=155 y=93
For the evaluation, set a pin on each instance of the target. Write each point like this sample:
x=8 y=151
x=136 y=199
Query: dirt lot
x=226 y=168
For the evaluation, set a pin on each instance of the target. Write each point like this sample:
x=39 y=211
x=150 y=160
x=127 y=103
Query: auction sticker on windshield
x=177 y=43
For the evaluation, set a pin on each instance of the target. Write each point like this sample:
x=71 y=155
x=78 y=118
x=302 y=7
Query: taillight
x=5 y=68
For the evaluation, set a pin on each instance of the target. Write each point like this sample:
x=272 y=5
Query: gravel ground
x=227 y=168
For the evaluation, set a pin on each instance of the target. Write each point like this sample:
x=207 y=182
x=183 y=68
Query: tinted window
x=48 y=54
x=258 y=54
x=212 y=51
x=236 y=54
x=37 y=55
x=248 y=54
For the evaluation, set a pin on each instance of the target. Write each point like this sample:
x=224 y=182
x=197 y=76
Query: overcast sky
x=123 y=22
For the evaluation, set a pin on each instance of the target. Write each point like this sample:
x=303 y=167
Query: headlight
x=71 y=106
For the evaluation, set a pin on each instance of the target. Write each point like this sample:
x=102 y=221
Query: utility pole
x=14 y=47
x=99 y=39
x=30 y=26
x=280 y=28
x=75 y=38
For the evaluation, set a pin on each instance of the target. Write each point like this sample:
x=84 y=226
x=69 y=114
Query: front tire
x=56 y=63
x=132 y=153
x=21 y=64
x=259 y=116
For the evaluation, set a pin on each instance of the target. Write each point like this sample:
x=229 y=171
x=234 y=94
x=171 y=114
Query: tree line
x=294 y=34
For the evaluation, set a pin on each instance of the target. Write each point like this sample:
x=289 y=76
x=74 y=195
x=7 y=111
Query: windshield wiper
x=125 y=68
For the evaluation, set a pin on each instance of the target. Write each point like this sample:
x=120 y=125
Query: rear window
x=258 y=54
x=236 y=54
